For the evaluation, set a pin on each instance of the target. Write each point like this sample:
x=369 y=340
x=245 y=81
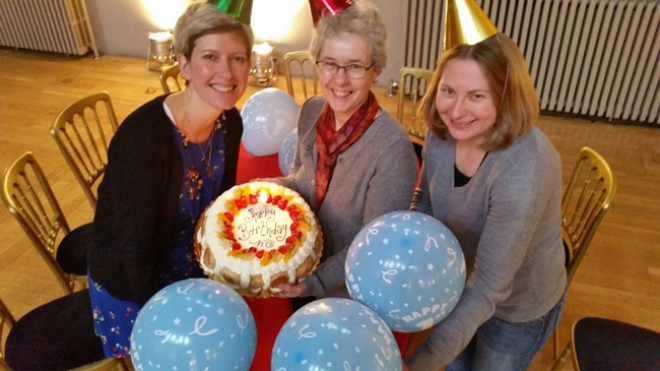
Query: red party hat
x=322 y=8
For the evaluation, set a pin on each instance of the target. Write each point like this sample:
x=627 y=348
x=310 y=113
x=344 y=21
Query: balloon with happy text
x=408 y=268
x=268 y=117
x=196 y=325
x=335 y=334
x=288 y=152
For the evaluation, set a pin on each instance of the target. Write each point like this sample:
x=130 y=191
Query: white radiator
x=59 y=26
x=593 y=58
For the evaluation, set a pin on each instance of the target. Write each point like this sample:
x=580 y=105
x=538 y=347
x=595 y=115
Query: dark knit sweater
x=138 y=201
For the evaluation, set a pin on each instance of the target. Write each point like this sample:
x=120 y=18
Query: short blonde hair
x=362 y=19
x=510 y=85
x=201 y=18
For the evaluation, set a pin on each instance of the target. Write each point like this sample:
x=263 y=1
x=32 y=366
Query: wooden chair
x=605 y=344
x=585 y=201
x=304 y=62
x=171 y=80
x=419 y=78
x=82 y=132
x=30 y=199
x=58 y=335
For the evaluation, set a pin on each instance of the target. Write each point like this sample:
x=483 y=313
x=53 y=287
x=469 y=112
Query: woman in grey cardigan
x=494 y=180
x=354 y=161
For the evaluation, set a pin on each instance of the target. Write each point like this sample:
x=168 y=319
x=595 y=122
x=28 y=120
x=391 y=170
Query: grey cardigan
x=372 y=177
x=507 y=219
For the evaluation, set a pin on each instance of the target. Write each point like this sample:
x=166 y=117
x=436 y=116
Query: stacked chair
x=415 y=81
x=585 y=201
x=59 y=335
x=82 y=132
x=30 y=199
x=302 y=62
x=406 y=112
x=171 y=80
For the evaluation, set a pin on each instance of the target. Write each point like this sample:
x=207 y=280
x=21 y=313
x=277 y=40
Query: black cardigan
x=138 y=201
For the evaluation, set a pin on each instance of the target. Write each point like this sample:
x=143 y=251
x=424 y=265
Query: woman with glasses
x=354 y=161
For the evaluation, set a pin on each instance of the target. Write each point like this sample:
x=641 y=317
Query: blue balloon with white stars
x=194 y=325
x=335 y=334
x=407 y=267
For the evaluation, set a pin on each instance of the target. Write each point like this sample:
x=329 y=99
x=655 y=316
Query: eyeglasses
x=353 y=71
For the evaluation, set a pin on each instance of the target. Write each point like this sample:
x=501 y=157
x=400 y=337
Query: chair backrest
x=171 y=80
x=419 y=78
x=29 y=198
x=7 y=320
x=83 y=131
x=585 y=201
x=303 y=61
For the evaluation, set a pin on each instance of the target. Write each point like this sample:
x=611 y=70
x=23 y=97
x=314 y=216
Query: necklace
x=217 y=124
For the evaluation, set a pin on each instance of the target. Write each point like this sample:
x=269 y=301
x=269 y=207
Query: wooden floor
x=619 y=277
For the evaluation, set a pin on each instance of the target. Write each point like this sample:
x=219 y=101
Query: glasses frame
x=319 y=65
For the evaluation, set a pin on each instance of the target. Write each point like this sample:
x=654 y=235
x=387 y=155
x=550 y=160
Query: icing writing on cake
x=262 y=226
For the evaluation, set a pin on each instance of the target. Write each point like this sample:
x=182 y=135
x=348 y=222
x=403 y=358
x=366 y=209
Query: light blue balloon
x=194 y=325
x=408 y=268
x=288 y=152
x=335 y=334
x=268 y=117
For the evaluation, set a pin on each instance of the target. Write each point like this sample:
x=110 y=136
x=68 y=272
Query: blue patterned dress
x=203 y=168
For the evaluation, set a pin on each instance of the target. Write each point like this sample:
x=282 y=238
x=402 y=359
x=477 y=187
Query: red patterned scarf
x=331 y=143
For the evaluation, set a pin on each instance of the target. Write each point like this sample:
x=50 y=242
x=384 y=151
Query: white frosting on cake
x=261 y=226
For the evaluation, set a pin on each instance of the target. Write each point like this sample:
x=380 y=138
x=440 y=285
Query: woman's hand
x=291 y=291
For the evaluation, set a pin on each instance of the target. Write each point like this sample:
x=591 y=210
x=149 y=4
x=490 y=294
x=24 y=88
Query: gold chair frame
x=585 y=201
x=30 y=199
x=416 y=130
x=301 y=58
x=173 y=74
x=7 y=320
x=84 y=143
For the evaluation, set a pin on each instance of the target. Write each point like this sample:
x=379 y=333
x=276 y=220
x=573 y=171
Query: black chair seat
x=72 y=251
x=602 y=344
x=56 y=336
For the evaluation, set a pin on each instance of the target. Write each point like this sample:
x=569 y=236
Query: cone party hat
x=240 y=10
x=320 y=8
x=465 y=23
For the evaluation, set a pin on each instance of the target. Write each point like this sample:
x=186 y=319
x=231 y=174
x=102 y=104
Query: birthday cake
x=256 y=236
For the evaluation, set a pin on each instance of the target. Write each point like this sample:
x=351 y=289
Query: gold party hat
x=466 y=23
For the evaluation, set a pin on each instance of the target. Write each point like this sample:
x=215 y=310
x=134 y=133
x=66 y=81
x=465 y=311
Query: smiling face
x=345 y=95
x=218 y=69
x=465 y=102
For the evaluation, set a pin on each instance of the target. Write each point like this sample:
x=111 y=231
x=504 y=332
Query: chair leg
x=555 y=339
x=559 y=362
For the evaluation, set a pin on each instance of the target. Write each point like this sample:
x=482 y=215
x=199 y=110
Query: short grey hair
x=361 y=19
x=202 y=18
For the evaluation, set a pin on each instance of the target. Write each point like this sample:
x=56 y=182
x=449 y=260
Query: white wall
x=121 y=27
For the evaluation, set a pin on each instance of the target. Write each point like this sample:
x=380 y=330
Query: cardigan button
x=341 y=160
x=314 y=182
x=309 y=147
